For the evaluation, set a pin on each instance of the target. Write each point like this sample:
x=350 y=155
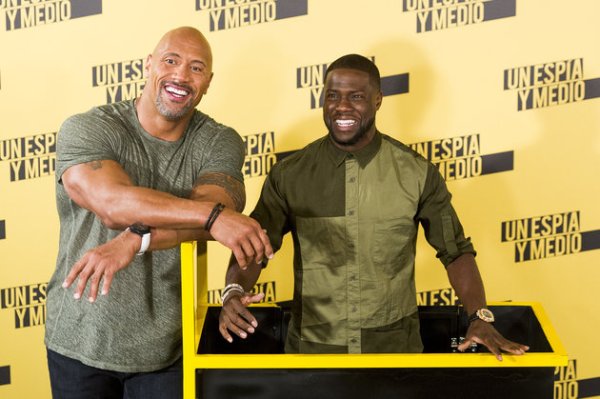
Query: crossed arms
x=105 y=189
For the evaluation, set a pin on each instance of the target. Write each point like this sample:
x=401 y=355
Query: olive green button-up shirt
x=354 y=220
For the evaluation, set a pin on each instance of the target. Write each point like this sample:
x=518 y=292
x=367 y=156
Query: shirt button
x=353 y=340
x=352 y=180
x=350 y=212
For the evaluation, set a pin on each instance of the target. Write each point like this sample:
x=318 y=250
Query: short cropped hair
x=357 y=62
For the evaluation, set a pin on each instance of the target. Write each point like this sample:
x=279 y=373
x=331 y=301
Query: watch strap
x=144 y=232
x=482 y=314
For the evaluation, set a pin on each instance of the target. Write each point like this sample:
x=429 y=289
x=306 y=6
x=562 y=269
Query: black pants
x=71 y=379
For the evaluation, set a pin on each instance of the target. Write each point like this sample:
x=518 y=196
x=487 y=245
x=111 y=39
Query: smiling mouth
x=176 y=92
x=345 y=122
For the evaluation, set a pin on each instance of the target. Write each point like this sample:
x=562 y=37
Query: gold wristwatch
x=482 y=314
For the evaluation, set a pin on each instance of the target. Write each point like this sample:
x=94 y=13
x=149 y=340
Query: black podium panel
x=421 y=383
x=440 y=326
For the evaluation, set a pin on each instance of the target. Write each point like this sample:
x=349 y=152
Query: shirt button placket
x=352 y=278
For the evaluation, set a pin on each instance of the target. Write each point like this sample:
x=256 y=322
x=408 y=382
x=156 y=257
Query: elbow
x=111 y=218
x=109 y=221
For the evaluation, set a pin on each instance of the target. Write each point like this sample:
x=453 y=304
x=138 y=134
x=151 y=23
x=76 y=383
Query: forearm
x=170 y=238
x=163 y=238
x=246 y=278
x=465 y=279
x=104 y=188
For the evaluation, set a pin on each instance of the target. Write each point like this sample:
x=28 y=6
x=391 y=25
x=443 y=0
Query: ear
x=209 y=80
x=379 y=100
x=148 y=64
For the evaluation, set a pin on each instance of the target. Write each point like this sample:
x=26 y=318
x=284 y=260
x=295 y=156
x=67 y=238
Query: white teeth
x=176 y=91
x=345 y=122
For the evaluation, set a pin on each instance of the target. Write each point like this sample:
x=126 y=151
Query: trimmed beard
x=168 y=114
x=362 y=131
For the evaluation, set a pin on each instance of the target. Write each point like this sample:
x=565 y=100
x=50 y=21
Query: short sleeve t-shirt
x=137 y=326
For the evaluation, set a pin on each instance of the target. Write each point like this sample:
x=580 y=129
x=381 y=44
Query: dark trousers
x=71 y=379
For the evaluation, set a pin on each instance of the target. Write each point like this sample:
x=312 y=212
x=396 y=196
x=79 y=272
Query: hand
x=102 y=263
x=235 y=316
x=484 y=333
x=243 y=235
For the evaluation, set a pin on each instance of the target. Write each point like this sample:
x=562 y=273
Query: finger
x=241 y=320
x=74 y=272
x=225 y=332
x=108 y=277
x=465 y=344
x=235 y=324
x=495 y=349
x=258 y=248
x=249 y=299
x=240 y=257
x=94 y=284
x=249 y=251
x=268 y=249
x=240 y=316
x=82 y=279
x=247 y=321
x=514 y=348
x=236 y=314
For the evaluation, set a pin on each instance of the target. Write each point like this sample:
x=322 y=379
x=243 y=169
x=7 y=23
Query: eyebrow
x=173 y=54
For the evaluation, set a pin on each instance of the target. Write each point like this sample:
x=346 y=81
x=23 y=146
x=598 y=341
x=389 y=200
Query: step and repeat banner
x=502 y=95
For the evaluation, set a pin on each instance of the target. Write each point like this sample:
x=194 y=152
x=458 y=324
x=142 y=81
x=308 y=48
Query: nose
x=343 y=103
x=182 y=72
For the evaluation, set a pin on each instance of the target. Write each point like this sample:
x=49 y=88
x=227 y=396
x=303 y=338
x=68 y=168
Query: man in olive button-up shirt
x=353 y=201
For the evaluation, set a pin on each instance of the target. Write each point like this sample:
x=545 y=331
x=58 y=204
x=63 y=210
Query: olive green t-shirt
x=354 y=219
x=137 y=326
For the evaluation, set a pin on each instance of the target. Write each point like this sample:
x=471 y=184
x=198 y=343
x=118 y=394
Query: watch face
x=486 y=315
x=139 y=228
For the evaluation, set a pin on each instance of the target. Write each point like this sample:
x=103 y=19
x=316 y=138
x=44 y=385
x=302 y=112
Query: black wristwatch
x=143 y=231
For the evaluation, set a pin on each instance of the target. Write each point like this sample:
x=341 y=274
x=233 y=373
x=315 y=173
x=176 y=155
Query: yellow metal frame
x=194 y=308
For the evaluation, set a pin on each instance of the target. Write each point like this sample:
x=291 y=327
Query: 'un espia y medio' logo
x=547 y=236
x=123 y=80
x=29 y=157
x=260 y=154
x=267 y=287
x=550 y=83
x=312 y=77
x=433 y=15
x=230 y=14
x=565 y=381
x=21 y=14
x=28 y=303
x=441 y=297
x=460 y=157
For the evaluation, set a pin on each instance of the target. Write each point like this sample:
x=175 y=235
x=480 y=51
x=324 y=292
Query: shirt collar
x=363 y=156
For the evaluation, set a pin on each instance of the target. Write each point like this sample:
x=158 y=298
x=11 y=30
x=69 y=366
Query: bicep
x=220 y=187
x=93 y=184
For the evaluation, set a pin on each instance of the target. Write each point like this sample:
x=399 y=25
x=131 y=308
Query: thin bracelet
x=216 y=211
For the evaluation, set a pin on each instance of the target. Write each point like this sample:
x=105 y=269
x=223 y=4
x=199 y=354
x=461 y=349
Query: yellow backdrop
x=501 y=94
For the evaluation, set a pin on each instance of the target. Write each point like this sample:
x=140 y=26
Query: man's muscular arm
x=214 y=187
x=104 y=188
